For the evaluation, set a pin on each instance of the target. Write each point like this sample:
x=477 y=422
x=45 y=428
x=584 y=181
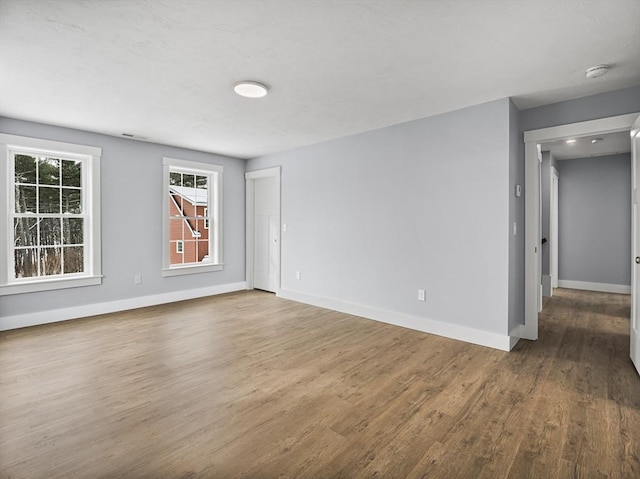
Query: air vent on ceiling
x=134 y=137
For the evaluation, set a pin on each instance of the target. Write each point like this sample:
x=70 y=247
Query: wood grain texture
x=247 y=385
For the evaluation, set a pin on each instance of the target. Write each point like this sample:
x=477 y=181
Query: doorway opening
x=533 y=210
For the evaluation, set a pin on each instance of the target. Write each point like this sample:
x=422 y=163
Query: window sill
x=191 y=269
x=49 y=284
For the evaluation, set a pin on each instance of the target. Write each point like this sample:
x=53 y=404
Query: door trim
x=554 y=227
x=533 y=272
x=250 y=178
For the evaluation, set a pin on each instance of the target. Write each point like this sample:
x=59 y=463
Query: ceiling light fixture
x=251 y=89
x=597 y=71
x=570 y=142
x=596 y=140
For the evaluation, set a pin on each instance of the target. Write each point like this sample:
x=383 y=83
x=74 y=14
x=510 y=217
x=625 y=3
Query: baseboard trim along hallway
x=452 y=331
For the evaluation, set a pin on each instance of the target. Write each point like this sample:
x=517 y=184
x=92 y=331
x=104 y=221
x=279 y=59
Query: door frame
x=553 y=229
x=634 y=347
x=250 y=179
x=533 y=256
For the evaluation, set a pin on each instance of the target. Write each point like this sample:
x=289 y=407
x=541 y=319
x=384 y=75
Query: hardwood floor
x=249 y=385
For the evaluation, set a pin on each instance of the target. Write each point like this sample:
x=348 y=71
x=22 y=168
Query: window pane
x=73 y=230
x=71 y=202
x=25 y=199
x=175 y=205
x=189 y=181
x=49 y=200
x=201 y=182
x=50 y=231
x=26 y=263
x=202 y=250
x=175 y=179
x=74 y=259
x=189 y=251
x=49 y=171
x=200 y=197
x=71 y=173
x=25 y=169
x=175 y=256
x=50 y=261
x=25 y=232
x=176 y=229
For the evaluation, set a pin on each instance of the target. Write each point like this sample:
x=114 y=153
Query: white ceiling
x=164 y=69
x=611 y=144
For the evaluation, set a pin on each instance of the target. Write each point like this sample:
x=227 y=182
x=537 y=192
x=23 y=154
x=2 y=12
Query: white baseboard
x=452 y=331
x=601 y=287
x=74 y=312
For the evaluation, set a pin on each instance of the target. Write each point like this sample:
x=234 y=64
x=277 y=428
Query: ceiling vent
x=134 y=137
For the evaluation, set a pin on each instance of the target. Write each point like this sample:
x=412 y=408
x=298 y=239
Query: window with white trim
x=51 y=214
x=192 y=217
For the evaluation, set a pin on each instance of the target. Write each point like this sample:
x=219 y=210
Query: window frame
x=214 y=211
x=90 y=188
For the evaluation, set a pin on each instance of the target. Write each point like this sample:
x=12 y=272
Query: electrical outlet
x=137 y=279
x=284 y=227
x=422 y=295
x=298 y=275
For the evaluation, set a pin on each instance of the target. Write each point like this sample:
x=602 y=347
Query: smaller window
x=192 y=217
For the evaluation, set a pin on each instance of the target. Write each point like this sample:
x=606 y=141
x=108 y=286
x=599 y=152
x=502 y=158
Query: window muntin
x=192 y=217
x=51 y=213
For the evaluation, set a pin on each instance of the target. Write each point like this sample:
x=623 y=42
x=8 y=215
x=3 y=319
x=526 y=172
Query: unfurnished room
x=319 y=239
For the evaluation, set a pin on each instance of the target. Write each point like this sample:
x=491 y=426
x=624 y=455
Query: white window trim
x=91 y=198
x=214 y=209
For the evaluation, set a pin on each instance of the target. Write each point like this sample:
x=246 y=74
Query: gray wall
x=595 y=219
x=516 y=215
x=131 y=176
x=603 y=105
x=372 y=218
x=548 y=162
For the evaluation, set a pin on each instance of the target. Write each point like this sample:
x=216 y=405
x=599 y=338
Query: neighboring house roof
x=195 y=196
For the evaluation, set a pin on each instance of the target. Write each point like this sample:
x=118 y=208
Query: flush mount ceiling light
x=596 y=140
x=570 y=142
x=250 y=89
x=597 y=71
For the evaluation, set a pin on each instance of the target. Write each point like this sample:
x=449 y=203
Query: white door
x=554 y=230
x=266 y=234
x=635 y=242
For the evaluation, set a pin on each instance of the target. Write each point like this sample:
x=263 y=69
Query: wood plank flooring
x=247 y=385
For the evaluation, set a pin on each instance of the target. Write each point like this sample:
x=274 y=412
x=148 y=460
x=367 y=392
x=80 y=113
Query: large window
x=50 y=212
x=192 y=217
